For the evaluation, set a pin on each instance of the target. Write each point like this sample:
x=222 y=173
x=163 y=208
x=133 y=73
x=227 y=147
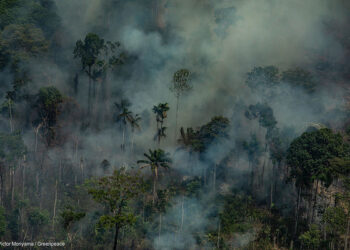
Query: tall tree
x=124 y=116
x=88 y=52
x=12 y=151
x=309 y=158
x=154 y=160
x=161 y=114
x=48 y=105
x=181 y=85
x=114 y=193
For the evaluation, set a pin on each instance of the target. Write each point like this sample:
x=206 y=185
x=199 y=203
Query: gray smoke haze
x=286 y=33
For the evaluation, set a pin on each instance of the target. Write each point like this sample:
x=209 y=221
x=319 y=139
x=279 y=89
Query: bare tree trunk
x=12 y=187
x=273 y=184
x=60 y=173
x=263 y=173
x=123 y=145
x=271 y=192
x=177 y=111
x=132 y=141
x=214 y=178
x=54 y=209
x=347 y=235
x=182 y=213
x=37 y=183
x=143 y=210
x=82 y=170
x=314 y=202
x=1 y=186
x=154 y=185
x=36 y=130
x=23 y=180
x=160 y=225
x=251 y=176
x=10 y=113
x=76 y=144
x=297 y=212
x=218 y=241
x=89 y=94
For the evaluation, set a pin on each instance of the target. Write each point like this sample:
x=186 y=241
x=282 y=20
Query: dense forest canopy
x=175 y=124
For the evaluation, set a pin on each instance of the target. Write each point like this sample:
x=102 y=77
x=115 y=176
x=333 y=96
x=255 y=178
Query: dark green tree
x=114 y=193
x=261 y=80
x=300 y=78
x=161 y=114
x=69 y=216
x=309 y=158
x=311 y=239
x=124 y=117
x=89 y=51
x=155 y=160
x=48 y=105
x=335 y=221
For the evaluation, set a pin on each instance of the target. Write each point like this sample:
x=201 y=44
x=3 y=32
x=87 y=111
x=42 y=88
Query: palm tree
x=155 y=159
x=180 y=86
x=124 y=116
x=161 y=113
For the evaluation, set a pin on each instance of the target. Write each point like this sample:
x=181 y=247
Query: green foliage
x=193 y=187
x=235 y=215
x=309 y=156
x=161 y=111
x=48 y=104
x=300 y=78
x=335 y=220
x=311 y=239
x=264 y=113
x=163 y=199
x=211 y=132
x=114 y=193
x=40 y=13
x=38 y=217
x=262 y=77
x=69 y=216
x=123 y=115
x=49 y=98
x=89 y=50
x=11 y=147
x=253 y=148
x=19 y=42
x=199 y=140
x=155 y=159
x=13 y=223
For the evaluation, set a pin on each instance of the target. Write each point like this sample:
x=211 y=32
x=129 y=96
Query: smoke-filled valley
x=189 y=124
